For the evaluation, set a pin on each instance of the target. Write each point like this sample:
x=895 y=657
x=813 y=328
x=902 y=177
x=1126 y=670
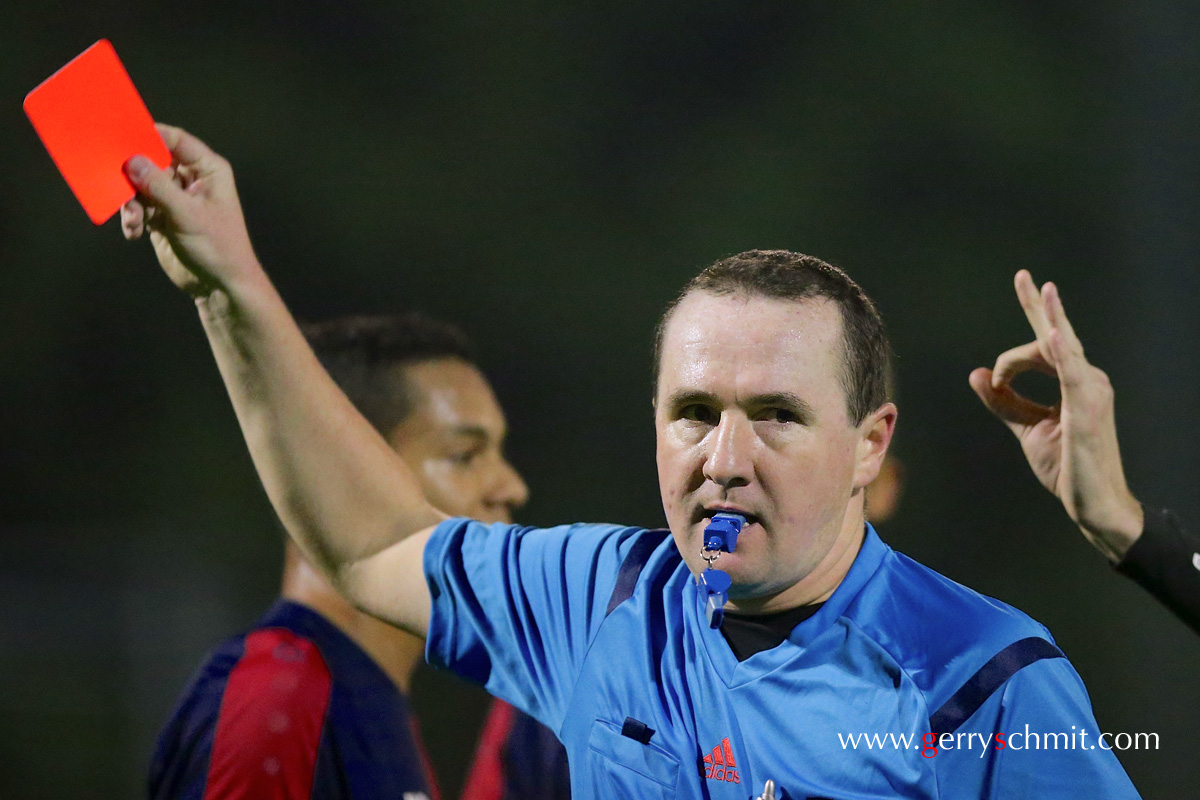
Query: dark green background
x=549 y=175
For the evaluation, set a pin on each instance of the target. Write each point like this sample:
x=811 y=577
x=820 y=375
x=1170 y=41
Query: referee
x=770 y=403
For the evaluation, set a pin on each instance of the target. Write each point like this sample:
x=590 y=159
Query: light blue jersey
x=598 y=631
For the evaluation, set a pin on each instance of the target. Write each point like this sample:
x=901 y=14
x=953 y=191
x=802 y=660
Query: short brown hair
x=784 y=275
x=359 y=351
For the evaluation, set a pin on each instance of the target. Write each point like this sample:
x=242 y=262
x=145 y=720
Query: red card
x=92 y=120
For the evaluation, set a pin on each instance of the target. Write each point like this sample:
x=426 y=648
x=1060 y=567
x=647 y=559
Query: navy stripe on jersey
x=990 y=677
x=535 y=762
x=631 y=568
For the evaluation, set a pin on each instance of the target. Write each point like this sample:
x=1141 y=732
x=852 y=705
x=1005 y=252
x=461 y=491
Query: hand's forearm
x=1116 y=531
x=340 y=491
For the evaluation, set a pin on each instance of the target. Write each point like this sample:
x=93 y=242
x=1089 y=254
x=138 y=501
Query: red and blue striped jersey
x=291 y=709
x=517 y=758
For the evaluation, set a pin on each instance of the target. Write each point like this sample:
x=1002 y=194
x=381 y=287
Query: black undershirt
x=748 y=634
x=1165 y=560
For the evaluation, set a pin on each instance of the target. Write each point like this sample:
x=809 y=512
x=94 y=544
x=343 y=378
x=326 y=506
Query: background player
x=313 y=698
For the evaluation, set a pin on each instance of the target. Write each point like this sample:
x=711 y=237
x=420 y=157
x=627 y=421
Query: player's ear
x=874 y=437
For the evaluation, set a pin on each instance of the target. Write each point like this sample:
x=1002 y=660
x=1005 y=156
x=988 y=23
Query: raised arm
x=345 y=497
x=1072 y=446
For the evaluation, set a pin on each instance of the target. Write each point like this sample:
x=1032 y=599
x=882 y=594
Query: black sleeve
x=1165 y=560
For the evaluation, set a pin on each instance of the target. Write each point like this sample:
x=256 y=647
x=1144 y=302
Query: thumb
x=154 y=184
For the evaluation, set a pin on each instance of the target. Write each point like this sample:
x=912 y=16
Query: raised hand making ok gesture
x=1071 y=446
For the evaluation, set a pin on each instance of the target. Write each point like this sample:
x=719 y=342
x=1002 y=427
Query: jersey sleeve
x=180 y=763
x=515 y=609
x=1034 y=737
x=1165 y=560
x=259 y=732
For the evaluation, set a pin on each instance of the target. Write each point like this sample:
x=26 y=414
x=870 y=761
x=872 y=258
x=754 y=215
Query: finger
x=1012 y=363
x=1015 y=411
x=156 y=185
x=1065 y=347
x=188 y=151
x=132 y=219
x=1057 y=317
x=1034 y=307
x=1072 y=366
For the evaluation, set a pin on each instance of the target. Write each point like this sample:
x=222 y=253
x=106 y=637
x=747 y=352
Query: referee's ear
x=874 y=438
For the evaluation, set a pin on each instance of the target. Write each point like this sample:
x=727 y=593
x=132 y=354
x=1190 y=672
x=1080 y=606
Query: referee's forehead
x=711 y=340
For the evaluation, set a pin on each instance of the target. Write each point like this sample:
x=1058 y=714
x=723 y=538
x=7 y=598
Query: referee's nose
x=729 y=461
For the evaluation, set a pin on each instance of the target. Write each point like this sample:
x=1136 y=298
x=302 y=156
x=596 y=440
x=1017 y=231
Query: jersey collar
x=866 y=563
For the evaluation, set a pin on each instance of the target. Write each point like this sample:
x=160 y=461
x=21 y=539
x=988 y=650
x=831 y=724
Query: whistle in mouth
x=722 y=532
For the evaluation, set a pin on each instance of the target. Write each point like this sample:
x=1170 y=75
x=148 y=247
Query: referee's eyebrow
x=786 y=400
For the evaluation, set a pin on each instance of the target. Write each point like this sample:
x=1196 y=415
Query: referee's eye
x=782 y=415
x=698 y=412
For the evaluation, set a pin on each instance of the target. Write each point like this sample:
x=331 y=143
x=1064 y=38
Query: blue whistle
x=715 y=584
x=722 y=532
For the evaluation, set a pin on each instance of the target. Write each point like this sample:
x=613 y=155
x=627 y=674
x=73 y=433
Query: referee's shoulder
x=939 y=631
x=614 y=545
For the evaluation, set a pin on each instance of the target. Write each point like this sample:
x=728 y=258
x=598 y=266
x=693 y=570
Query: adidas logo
x=720 y=765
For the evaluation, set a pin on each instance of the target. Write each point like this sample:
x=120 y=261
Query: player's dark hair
x=783 y=275
x=359 y=353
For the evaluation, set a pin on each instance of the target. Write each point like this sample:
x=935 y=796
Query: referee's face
x=751 y=417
